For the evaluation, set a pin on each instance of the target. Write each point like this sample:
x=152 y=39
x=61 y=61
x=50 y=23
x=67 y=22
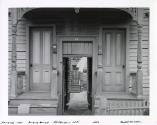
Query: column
x=139 y=64
x=14 y=72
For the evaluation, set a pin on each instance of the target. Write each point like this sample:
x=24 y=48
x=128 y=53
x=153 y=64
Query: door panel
x=46 y=47
x=108 y=49
x=36 y=47
x=40 y=59
x=114 y=60
x=36 y=76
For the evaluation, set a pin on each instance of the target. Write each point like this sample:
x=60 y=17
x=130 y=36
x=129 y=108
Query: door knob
x=123 y=66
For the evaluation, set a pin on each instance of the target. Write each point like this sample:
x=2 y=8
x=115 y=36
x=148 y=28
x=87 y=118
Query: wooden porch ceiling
x=103 y=15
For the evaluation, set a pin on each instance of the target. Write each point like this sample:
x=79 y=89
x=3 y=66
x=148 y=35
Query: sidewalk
x=78 y=104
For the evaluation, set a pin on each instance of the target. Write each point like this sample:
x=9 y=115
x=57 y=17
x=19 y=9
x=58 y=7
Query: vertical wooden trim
x=100 y=63
x=14 y=71
x=140 y=13
x=54 y=78
x=14 y=16
x=94 y=72
x=127 y=58
x=139 y=64
x=54 y=34
x=139 y=48
x=40 y=56
x=139 y=54
x=59 y=53
x=27 y=58
x=54 y=55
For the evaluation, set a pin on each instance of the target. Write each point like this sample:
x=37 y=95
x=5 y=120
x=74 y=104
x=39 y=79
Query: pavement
x=78 y=104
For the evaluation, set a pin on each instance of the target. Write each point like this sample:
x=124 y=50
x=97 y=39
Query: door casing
x=60 y=63
x=52 y=27
x=124 y=27
x=114 y=65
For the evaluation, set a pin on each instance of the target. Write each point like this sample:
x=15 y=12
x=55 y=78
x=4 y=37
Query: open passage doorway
x=77 y=85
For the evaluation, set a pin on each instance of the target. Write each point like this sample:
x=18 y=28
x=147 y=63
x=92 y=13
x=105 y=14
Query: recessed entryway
x=77 y=78
x=77 y=83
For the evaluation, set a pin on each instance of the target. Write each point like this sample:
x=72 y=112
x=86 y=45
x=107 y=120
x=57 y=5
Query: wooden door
x=40 y=61
x=114 y=60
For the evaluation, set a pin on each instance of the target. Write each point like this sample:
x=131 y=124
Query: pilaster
x=139 y=63
x=14 y=71
x=100 y=65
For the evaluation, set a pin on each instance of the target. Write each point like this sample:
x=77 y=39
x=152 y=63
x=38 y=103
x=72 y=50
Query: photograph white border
x=5 y=4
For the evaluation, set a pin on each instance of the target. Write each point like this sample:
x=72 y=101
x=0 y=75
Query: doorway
x=40 y=59
x=114 y=60
x=77 y=85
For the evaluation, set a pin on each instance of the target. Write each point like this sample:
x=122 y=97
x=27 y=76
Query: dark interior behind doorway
x=77 y=85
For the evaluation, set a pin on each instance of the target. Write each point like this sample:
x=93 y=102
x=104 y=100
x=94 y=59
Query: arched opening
x=96 y=15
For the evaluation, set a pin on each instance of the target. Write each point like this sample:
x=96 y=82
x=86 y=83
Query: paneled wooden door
x=114 y=60
x=40 y=59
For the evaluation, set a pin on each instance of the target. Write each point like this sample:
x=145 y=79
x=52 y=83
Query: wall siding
x=132 y=56
x=20 y=48
x=9 y=52
x=145 y=56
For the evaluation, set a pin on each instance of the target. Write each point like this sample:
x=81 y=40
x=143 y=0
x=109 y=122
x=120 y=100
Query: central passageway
x=78 y=104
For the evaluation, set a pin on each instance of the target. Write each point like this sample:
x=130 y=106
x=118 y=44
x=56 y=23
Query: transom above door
x=40 y=59
x=113 y=60
x=82 y=48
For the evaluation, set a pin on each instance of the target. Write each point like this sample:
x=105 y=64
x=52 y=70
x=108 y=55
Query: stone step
x=16 y=102
x=27 y=109
x=75 y=87
x=33 y=103
x=75 y=91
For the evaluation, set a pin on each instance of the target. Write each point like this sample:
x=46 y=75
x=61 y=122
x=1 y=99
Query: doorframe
x=28 y=37
x=125 y=27
x=60 y=41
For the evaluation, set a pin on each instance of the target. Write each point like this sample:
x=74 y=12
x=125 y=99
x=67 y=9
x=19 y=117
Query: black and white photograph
x=78 y=61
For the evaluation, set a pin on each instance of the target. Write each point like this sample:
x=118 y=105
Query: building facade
x=115 y=42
